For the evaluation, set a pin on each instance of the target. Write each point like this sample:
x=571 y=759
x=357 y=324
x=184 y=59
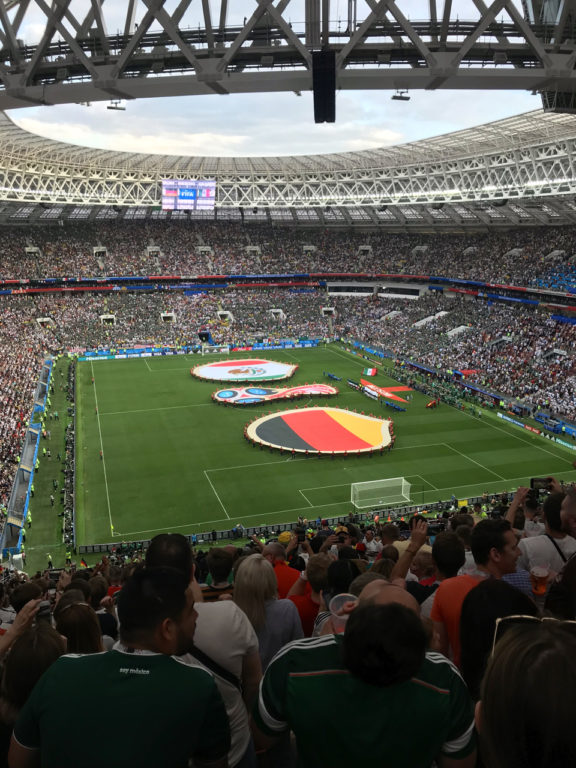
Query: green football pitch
x=173 y=460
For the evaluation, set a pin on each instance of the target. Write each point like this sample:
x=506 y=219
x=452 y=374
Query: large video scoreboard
x=188 y=195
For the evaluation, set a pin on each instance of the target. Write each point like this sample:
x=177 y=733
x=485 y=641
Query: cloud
x=163 y=142
x=269 y=123
x=261 y=124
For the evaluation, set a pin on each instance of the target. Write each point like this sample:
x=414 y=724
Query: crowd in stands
x=523 y=354
x=513 y=351
x=69 y=466
x=529 y=257
x=518 y=353
x=250 y=630
x=21 y=344
x=383 y=636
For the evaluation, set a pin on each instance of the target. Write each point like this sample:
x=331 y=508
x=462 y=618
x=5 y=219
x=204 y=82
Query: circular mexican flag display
x=253 y=369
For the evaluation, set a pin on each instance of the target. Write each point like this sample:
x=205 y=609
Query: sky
x=266 y=124
x=270 y=123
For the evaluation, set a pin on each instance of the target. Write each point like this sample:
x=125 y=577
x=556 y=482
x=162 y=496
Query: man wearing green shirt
x=171 y=712
x=403 y=707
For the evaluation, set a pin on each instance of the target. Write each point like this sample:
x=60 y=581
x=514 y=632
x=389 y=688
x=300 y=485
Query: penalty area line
x=162 y=408
x=102 y=450
x=261 y=464
x=432 y=486
x=216 y=494
x=311 y=458
x=469 y=458
x=240 y=517
x=165 y=528
x=306 y=498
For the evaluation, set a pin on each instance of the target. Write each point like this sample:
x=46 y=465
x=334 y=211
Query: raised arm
x=517 y=502
x=417 y=540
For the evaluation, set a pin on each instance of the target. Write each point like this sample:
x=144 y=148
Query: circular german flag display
x=321 y=430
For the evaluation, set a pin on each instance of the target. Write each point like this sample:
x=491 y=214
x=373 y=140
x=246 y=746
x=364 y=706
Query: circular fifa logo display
x=252 y=395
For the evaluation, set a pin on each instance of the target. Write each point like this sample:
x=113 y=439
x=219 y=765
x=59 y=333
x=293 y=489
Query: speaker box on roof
x=324 y=86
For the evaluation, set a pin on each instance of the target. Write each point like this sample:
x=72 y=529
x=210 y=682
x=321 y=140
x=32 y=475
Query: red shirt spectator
x=308 y=610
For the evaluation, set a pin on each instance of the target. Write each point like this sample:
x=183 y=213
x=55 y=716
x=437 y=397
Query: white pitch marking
x=300 y=509
x=290 y=355
x=512 y=433
x=150 y=410
x=306 y=498
x=216 y=494
x=261 y=464
x=102 y=449
x=464 y=455
x=222 y=519
x=321 y=487
x=424 y=480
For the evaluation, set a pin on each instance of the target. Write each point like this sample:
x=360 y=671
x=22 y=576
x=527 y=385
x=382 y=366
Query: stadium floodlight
x=379 y=493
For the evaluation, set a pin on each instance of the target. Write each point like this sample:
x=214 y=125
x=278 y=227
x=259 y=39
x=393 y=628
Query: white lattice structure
x=463 y=178
x=82 y=51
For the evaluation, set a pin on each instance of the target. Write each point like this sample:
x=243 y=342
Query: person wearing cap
x=341 y=528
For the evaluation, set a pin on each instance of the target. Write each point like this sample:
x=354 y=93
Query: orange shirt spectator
x=447 y=609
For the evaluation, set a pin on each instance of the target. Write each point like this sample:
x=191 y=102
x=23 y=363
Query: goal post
x=378 y=493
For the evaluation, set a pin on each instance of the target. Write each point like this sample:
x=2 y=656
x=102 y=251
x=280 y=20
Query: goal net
x=377 y=493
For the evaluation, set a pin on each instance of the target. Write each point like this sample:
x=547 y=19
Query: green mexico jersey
x=140 y=709
x=339 y=720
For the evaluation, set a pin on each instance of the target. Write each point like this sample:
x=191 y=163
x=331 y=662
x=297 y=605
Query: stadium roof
x=513 y=172
x=530 y=129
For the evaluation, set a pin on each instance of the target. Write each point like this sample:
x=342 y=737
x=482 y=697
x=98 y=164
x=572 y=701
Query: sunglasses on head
x=504 y=623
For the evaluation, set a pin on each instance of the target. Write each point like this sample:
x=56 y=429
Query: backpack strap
x=215 y=667
x=562 y=555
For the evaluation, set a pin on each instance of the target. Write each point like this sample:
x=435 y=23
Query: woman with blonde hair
x=276 y=622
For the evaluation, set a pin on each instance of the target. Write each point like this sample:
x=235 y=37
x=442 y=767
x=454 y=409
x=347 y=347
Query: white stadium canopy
x=517 y=171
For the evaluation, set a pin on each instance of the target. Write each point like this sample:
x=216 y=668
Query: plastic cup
x=340 y=608
x=539 y=578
